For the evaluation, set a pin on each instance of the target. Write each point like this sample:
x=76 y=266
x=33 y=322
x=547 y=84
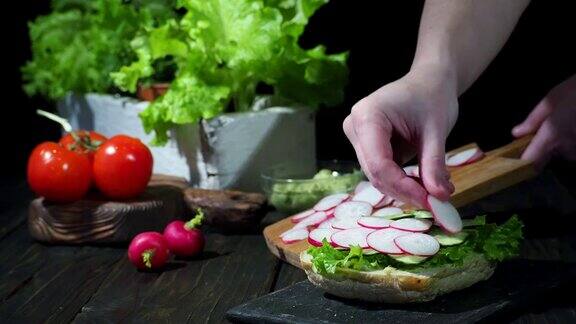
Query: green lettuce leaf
x=202 y=101
x=496 y=243
x=327 y=259
x=503 y=241
x=234 y=45
x=77 y=46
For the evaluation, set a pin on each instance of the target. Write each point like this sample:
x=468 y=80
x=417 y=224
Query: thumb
x=535 y=119
x=433 y=170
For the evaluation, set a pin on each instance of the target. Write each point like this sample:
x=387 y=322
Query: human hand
x=554 y=122
x=412 y=115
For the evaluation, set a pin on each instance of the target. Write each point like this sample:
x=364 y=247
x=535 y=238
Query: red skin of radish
x=184 y=239
x=148 y=251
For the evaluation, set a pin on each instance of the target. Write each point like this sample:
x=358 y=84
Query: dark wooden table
x=41 y=283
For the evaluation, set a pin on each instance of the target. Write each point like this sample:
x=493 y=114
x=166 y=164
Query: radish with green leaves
x=184 y=238
x=148 y=251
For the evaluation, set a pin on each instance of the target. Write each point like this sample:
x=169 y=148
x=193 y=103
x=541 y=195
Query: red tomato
x=58 y=174
x=122 y=167
x=81 y=141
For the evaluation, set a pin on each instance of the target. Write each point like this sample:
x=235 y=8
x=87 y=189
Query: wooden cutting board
x=499 y=169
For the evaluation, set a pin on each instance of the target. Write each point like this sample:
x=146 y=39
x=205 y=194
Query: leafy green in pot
x=495 y=242
x=223 y=50
x=76 y=46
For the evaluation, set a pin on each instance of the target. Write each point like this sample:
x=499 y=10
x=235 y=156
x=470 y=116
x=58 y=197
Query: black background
x=381 y=38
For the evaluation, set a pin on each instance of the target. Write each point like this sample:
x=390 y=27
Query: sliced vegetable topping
x=294 y=235
x=374 y=222
x=445 y=215
x=383 y=240
x=465 y=157
x=446 y=239
x=318 y=235
x=408 y=259
x=369 y=195
x=330 y=202
x=313 y=220
x=412 y=224
x=351 y=237
x=388 y=211
x=343 y=224
x=417 y=244
x=300 y=216
x=352 y=210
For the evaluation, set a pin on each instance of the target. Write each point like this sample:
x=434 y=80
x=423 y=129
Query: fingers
x=433 y=170
x=348 y=127
x=535 y=119
x=372 y=133
x=540 y=149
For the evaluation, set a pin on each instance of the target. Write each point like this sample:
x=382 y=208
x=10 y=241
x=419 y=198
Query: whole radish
x=148 y=251
x=185 y=239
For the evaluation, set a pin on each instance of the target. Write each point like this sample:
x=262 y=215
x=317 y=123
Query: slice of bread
x=391 y=285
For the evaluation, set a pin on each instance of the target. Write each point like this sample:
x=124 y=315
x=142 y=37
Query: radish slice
x=300 y=216
x=387 y=200
x=294 y=235
x=330 y=212
x=342 y=224
x=330 y=202
x=465 y=157
x=327 y=223
x=351 y=237
x=313 y=220
x=352 y=210
x=388 y=211
x=418 y=244
x=445 y=215
x=412 y=170
x=318 y=235
x=361 y=186
x=412 y=224
x=374 y=222
x=383 y=240
x=369 y=195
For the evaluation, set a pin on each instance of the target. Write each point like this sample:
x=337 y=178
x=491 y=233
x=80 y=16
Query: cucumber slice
x=449 y=239
x=398 y=216
x=422 y=214
x=409 y=259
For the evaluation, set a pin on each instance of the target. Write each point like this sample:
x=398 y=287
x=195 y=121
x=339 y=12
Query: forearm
x=459 y=38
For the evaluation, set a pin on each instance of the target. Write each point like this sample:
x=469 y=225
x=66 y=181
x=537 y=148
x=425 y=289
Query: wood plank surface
x=233 y=270
x=59 y=284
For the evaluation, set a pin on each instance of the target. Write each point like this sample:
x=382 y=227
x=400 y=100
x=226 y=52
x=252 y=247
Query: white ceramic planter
x=229 y=151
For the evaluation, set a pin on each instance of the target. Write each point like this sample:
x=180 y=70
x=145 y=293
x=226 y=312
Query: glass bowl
x=293 y=191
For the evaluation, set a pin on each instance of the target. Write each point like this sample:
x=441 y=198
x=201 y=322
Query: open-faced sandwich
x=395 y=256
x=372 y=247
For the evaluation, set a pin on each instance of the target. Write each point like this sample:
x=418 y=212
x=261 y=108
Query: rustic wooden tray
x=98 y=220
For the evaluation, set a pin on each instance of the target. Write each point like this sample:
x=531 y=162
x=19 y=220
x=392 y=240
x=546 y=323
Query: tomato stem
x=62 y=121
x=147 y=258
x=196 y=221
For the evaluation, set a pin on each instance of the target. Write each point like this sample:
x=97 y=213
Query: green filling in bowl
x=292 y=196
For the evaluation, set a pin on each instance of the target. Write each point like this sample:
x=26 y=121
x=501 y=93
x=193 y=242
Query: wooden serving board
x=499 y=169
